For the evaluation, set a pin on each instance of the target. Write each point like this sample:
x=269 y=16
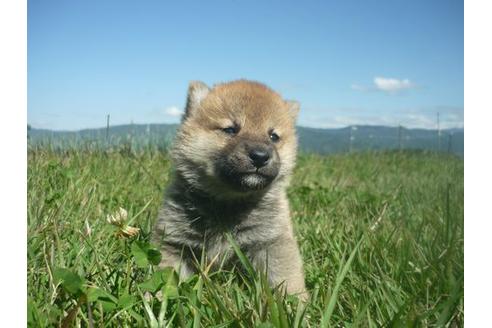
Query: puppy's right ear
x=294 y=107
x=197 y=91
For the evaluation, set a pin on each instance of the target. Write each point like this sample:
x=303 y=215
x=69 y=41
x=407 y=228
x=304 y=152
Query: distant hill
x=366 y=137
x=323 y=141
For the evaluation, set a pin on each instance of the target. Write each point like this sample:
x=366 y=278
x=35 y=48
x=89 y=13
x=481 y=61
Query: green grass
x=381 y=236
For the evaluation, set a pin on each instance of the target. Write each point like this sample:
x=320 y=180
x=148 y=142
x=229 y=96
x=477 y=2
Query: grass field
x=381 y=236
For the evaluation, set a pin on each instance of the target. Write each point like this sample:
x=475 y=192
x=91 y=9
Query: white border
x=13 y=191
x=478 y=106
x=478 y=163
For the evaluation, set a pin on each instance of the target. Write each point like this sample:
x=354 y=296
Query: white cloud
x=173 y=111
x=385 y=84
x=392 y=85
x=340 y=121
x=450 y=117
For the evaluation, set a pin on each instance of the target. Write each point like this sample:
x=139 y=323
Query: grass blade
x=334 y=296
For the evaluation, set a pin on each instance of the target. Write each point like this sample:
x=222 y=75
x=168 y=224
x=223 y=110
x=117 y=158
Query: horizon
x=347 y=63
x=297 y=125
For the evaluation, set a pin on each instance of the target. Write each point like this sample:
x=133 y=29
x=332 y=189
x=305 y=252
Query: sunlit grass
x=381 y=236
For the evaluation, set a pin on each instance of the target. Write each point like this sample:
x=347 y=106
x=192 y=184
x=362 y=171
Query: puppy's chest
x=248 y=233
x=248 y=237
x=245 y=233
x=203 y=226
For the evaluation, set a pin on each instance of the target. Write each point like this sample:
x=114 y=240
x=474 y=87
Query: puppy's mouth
x=255 y=180
x=250 y=180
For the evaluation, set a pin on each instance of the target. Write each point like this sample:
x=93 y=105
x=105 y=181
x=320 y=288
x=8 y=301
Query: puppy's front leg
x=172 y=257
x=283 y=264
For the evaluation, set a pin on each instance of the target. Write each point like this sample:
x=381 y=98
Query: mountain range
x=322 y=141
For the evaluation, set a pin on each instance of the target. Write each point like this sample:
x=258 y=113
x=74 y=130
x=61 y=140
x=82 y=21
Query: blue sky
x=347 y=62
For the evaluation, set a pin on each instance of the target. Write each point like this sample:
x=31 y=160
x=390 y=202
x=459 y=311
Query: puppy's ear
x=197 y=91
x=293 y=107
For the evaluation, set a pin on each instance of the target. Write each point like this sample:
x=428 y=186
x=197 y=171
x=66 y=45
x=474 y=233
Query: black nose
x=259 y=157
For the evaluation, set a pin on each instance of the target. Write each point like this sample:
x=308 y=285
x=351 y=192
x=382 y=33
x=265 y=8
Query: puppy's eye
x=274 y=137
x=231 y=130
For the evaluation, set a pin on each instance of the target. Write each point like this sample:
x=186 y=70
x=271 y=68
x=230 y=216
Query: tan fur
x=200 y=206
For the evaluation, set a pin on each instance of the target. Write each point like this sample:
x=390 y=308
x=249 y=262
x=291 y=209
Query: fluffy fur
x=217 y=188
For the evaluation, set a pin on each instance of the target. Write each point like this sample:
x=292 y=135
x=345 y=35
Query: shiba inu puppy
x=233 y=155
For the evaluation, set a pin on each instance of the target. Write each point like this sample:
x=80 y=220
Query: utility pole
x=438 y=134
x=107 y=128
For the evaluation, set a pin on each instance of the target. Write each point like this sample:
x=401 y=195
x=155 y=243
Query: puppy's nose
x=259 y=157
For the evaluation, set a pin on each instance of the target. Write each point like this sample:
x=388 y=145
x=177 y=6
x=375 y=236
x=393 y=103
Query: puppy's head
x=236 y=138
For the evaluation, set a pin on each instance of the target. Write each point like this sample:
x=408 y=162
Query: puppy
x=233 y=155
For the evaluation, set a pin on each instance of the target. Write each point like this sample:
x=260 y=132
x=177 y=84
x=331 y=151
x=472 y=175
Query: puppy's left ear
x=294 y=107
x=197 y=91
